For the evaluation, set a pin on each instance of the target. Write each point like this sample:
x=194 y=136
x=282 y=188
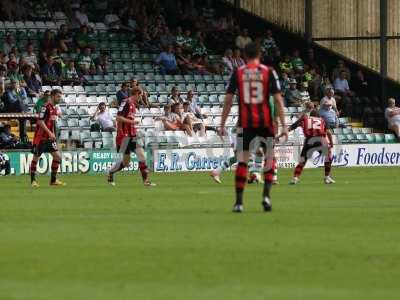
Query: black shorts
x=128 y=145
x=46 y=146
x=254 y=138
x=314 y=144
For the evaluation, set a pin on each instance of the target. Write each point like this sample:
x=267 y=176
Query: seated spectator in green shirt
x=70 y=75
x=187 y=41
x=296 y=61
x=83 y=39
x=41 y=102
x=200 y=49
x=286 y=66
x=85 y=62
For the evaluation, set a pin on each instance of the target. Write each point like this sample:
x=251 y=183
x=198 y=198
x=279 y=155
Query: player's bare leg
x=118 y=166
x=241 y=179
x=54 y=169
x=144 y=170
x=33 y=167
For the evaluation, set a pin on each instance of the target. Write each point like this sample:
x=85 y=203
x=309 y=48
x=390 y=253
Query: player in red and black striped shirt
x=44 y=140
x=126 y=139
x=254 y=83
x=317 y=138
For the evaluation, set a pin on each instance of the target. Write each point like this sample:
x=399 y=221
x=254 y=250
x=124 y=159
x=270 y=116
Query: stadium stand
x=91 y=60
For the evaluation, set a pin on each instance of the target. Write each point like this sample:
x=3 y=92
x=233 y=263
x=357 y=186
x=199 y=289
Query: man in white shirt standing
x=103 y=118
x=329 y=99
x=392 y=114
x=243 y=39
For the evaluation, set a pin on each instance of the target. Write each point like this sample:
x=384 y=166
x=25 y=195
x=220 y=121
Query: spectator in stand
x=199 y=48
x=315 y=83
x=329 y=115
x=175 y=96
x=14 y=74
x=123 y=93
x=187 y=41
x=243 y=39
x=3 y=59
x=49 y=73
x=360 y=84
x=392 y=115
x=193 y=107
x=311 y=59
x=237 y=59
x=41 y=102
x=30 y=57
x=143 y=98
x=129 y=19
x=85 y=62
x=33 y=83
x=15 y=98
x=208 y=12
x=268 y=43
x=329 y=99
x=341 y=85
x=227 y=61
x=177 y=118
x=169 y=120
x=8 y=44
x=102 y=63
x=64 y=39
x=182 y=60
x=338 y=70
x=70 y=75
x=197 y=65
x=286 y=65
x=58 y=60
x=7 y=139
x=292 y=96
x=79 y=17
x=103 y=117
x=192 y=122
x=167 y=62
x=39 y=10
x=167 y=38
x=48 y=43
x=296 y=61
x=83 y=39
x=179 y=37
x=304 y=95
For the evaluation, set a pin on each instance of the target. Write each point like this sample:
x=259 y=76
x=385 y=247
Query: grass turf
x=180 y=240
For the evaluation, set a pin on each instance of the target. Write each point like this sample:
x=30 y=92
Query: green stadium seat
x=346 y=131
x=379 y=138
x=390 y=138
x=370 y=137
x=342 y=138
x=362 y=138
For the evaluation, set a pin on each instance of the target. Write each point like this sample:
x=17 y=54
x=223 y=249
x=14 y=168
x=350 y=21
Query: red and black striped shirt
x=255 y=83
x=312 y=126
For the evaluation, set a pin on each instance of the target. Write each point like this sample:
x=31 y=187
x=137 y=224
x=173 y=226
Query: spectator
x=8 y=44
x=7 y=139
x=14 y=74
x=208 y=12
x=341 y=85
x=49 y=73
x=3 y=59
x=243 y=39
x=174 y=97
x=80 y=17
x=392 y=115
x=199 y=48
x=311 y=59
x=197 y=66
x=143 y=97
x=315 y=83
x=193 y=107
x=338 y=69
x=268 y=43
x=360 y=84
x=329 y=99
x=70 y=75
x=329 y=115
x=167 y=38
x=65 y=39
x=187 y=41
x=193 y=123
x=167 y=62
x=58 y=60
x=30 y=57
x=85 y=62
x=296 y=61
x=177 y=119
x=169 y=120
x=237 y=59
x=48 y=42
x=292 y=96
x=182 y=60
x=304 y=95
x=227 y=60
x=83 y=39
x=41 y=102
x=102 y=63
x=103 y=117
x=33 y=83
x=123 y=93
x=180 y=37
x=286 y=65
x=15 y=99
x=129 y=19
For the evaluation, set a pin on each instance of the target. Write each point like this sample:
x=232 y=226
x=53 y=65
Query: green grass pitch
x=89 y=241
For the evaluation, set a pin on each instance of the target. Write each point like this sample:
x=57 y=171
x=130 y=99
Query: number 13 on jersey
x=253 y=92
